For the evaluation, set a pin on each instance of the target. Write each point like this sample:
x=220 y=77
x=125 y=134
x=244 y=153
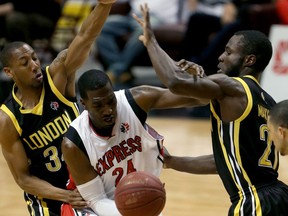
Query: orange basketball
x=140 y=194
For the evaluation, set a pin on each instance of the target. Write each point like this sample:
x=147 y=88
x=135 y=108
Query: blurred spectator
x=30 y=21
x=117 y=59
x=207 y=18
x=282 y=10
x=33 y=22
x=5 y=83
x=208 y=55
x=5 y=8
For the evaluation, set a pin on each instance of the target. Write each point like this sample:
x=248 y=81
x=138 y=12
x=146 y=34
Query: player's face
x=279 y=137
x=102 y=107
x=231 y=60
x=25 y=68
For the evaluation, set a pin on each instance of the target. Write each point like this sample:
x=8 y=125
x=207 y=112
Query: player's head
x=278 y=126
x=98 y=98
x=247 y=52
x=21 y=64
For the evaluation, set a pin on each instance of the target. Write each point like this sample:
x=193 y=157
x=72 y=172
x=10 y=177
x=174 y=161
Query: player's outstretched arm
x=185 y=78
x=204 y=164
x=153 y=97
x=149 y=40
x=64 y=67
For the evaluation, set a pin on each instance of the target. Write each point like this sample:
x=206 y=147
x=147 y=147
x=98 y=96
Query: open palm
x=145 y=24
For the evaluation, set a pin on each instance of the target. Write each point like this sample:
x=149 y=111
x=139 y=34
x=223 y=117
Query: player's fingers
x=146 y=14
x=201 y=71
x=137 y=19
x=186 y=67
x=75 y=196
x=181 y=63
x=143 y=40
x=142 y=9
x=193 y=71
x=198 y=70
x=79 y=204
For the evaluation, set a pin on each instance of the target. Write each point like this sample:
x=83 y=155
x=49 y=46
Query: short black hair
x=6 y=52
x=258 y=44
x=279 y=114
x=92 y=80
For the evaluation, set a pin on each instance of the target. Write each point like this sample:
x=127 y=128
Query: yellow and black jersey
x=246 y=159
x=41 y=130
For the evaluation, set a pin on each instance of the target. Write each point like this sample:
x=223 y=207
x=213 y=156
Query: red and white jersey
x=132 y=146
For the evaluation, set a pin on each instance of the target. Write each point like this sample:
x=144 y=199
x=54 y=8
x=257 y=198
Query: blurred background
x=196 y=30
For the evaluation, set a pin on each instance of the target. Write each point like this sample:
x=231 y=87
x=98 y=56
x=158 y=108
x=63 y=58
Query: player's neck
x=29 y=98
x=103 y=132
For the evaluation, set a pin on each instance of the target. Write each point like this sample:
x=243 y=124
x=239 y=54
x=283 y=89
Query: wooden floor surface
x=187 y=195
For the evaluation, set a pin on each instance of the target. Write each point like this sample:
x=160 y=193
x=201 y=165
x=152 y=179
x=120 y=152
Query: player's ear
x=285 y=133
x=281 y=131
x=250 y=60
x=8 y=72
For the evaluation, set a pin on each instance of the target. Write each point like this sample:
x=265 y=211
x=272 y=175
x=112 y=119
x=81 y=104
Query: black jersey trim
x=139 y=112
x=73 y=135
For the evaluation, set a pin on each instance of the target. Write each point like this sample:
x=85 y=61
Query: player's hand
x=107 y=1
x=145 y=24
x=76 y=200
x=191 y=68
x=166 y=157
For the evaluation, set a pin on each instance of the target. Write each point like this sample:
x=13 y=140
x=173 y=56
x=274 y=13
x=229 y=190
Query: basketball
x=140 y=194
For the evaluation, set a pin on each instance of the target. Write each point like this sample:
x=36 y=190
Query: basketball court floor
x=187 y=194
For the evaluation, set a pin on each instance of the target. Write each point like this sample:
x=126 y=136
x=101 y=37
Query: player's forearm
x=195 y=165
x=80 y=47
x=92 y=25
x=41 y=188
x=93 y=192
x=163 y=65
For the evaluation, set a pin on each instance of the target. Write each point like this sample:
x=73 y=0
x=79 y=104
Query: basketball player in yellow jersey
x=35 y=116
x=245 y=158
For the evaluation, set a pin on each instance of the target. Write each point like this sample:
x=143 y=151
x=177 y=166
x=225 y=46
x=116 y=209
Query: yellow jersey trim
x=59 y=95
x=13 y=118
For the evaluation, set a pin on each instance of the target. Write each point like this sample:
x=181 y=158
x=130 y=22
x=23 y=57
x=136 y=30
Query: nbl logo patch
x=54 y=105
x=124 y=128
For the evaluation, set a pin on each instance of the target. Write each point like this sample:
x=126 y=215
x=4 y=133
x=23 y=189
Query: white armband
x=93 y=192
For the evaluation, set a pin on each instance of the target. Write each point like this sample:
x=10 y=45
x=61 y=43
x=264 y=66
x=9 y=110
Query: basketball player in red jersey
x=111 y=137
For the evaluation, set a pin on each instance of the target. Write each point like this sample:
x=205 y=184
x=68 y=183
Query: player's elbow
x=177 y=86
x=204 y=102
x=174 y=85
x=23 y=181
